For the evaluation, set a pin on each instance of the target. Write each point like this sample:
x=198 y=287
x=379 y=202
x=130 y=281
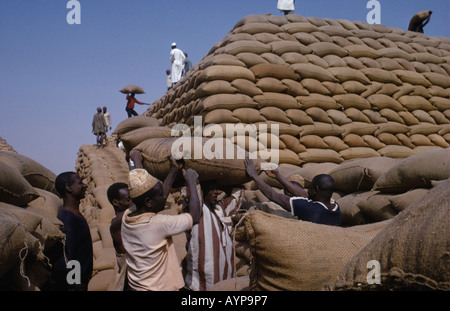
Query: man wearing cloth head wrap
x=152 y=261
x=177 y=58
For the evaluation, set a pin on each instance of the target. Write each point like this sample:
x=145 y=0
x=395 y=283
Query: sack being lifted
x=214 y=159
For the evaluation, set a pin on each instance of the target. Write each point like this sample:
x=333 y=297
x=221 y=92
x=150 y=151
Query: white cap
x=174 y=44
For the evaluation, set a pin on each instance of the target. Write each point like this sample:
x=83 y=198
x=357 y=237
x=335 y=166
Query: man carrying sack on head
x=152 y=261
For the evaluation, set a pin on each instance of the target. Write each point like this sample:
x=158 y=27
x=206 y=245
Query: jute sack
x=35 y=173
x=224 y=72
x=412 y=249
x=275 y=71
x=412 y=77
x=225 y=101
x=314 y=72
x=133 y=138
x=350 y=212
x=245 y=46
x=134 y=123
x=155 y=154
x=358 y=152
x=335 y=143
x=219 y=116
x=377 y=206
x=47 y=202
x=401 y=202
x=381 y=75
x=14 y=238
x=320 y=156
x=213 y=87
x=270 y=84
x=246 y=87
x=298 y=255
x=348 y=74
x=282 y=101
x=414 y=102
x=393 y=151
x=319 y=101
x=417 y=171
x=352 y=101
x=14 y=188
x=360 y=174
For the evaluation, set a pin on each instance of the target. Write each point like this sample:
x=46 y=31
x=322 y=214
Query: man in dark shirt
x=314 y=205
x=78 y=242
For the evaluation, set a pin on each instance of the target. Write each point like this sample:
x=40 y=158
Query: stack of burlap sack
x=100 y=168
x=29 y=227
x=337 y=89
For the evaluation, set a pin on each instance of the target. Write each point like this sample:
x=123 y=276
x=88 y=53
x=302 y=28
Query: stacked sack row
x=379 y=199
x=336 y=89
x=29 y=227
x=100 y=168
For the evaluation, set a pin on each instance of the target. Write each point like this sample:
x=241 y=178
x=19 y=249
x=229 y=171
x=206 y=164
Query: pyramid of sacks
x=337 y=89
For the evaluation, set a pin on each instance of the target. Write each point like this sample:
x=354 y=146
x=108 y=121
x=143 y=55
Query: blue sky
x=53 y=75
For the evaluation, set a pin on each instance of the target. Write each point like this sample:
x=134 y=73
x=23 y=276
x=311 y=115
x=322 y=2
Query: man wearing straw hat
x=152 y=261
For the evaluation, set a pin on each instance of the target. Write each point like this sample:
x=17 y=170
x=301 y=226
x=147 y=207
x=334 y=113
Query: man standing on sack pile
x=151 y=258
x=177 y=58
x=286 y=6
x=314 y=205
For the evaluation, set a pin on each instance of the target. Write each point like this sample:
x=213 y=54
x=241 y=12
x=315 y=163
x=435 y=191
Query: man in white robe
x=177 y=58
x=286 y=6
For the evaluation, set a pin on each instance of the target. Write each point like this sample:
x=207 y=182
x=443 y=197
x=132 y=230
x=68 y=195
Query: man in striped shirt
x=209 y=257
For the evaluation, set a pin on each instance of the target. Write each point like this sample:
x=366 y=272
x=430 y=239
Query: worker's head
x=145 y=190
x=70 y=183
x=119 y=196
x=210 y=192
x=104 y=109
x=322 y=187
x=99 y=109
x=174 y=45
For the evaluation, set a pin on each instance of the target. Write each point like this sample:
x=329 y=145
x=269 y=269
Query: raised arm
x=174 y=169
x=293 y=188
x=268 y=191
x=191 y=178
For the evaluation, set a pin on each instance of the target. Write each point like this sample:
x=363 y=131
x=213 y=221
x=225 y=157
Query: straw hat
x=140 y=181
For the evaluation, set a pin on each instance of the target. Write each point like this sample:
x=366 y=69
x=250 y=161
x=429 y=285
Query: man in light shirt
x=286 y=6
x=152 y=261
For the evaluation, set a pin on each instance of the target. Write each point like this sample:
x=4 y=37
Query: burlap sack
x=350 y=212
x=134 y=137
x=296 y=255
x=14 y=188
x=401 y=201
x=35 y=173
x=132 y=89
x=378 y=206
x=135 y=123
x=417 y=171
x=361 y=174
x=412 y=249
x=155 y=154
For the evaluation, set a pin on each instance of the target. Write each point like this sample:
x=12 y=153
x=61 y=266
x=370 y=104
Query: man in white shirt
x=177 y=58
x=286 y=6
x=151 y=257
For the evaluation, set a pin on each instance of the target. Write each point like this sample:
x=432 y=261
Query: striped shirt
x=209 y=257
x=229 y=206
